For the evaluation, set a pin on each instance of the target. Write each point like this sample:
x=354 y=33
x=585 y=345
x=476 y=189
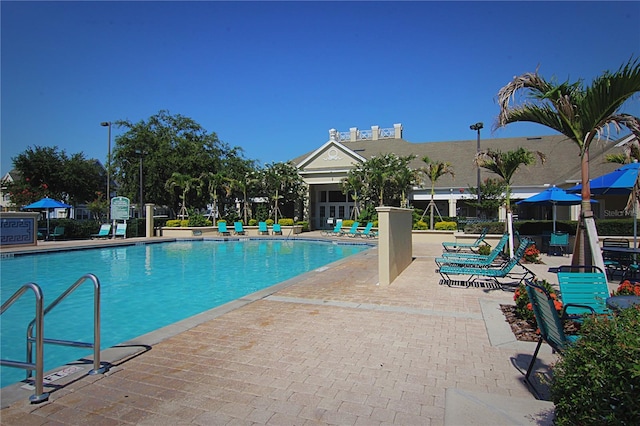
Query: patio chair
x=478 y=274
x=352 y=232
x=277 y=229
x=366 y=232
x=615 y=262
x=457 y=246
x=262 y=228
x=337 y=230
x=222 y=229
x=558 y=240
x=121 y=230
x=550 y=324
x=238 y=229
x=472 y=259
x=584 y=289
x=105 y=230
x=58 y=232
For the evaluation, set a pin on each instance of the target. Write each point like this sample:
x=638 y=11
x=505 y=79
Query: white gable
x=331 y=155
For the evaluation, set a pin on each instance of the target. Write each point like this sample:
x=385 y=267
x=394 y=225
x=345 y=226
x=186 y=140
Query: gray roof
x=561 y=168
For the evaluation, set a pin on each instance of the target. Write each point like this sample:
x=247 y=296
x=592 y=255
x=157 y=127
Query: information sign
x=120 y=208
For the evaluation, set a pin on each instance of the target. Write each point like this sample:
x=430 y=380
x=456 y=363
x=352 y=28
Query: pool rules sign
x=120 y=208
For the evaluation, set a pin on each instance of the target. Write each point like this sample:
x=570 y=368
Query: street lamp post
x=477 y=127
x=141 y=154
x=108 y=124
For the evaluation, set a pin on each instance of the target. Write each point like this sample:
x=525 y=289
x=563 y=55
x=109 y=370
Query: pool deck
x=330 y=347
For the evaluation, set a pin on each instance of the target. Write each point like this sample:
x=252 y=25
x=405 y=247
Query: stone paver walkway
x=332 y=347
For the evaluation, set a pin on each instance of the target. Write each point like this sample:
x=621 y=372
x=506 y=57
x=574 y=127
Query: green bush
x=304 y=224
x=484 y=249
x=347 y=223
x=173 y=223
x=198 y=220
x=446 y=226
x=597 y=382
x=253 y=222
x=269 y=222
x=285 y=222
x=420 y=225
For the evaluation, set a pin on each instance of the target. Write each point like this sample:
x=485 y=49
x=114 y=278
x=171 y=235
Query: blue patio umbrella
x=47 y=203
x=553 y=197
x=621 y=181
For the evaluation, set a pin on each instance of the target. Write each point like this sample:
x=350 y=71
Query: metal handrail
x=39 y=395
x=97 y=368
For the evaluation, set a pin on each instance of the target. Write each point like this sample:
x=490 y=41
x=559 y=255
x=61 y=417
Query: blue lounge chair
x=277 y=229
x=353 y=231
x=366 y=232
x=105 y=230
x=121 y=230
x=472 y=258
x=549 y=323
x=337 y=230
x=262 y=228
x=456 y=246
x=583 y=290
x=479 y=274
x=222 y=229
x=238 y=229
x=58 y=232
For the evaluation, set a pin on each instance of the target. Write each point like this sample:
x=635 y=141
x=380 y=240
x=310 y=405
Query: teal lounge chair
x=262 y=228
x=222 y=229
x=558 y=241
x=479 y=274
x=277 y=229
x=238 y=229
x=366 y=232
x=472 y=259
x=353 y=231
x=105 y=230
x=58 y=232
x=121 y=230
x=583 y=290
x=337 y=230
x=456 y=246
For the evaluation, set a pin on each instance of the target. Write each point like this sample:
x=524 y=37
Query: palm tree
x=582 y=114
x=353 y=184
x=505 y=164
x=433 y=171
x=185 y=183
x=211 y=182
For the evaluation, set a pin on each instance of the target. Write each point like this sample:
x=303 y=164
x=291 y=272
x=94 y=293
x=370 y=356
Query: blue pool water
x=144 y=287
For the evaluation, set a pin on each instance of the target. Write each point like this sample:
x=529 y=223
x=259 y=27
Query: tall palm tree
x=582 y=114
x=211 y=182
x=505 y=164
x=185 y=183
x=433 y=171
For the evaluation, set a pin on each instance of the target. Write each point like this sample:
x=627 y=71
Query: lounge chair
x=456 y=246
x=559 y=241
x=549 y=323
x=121 y=230
x=353 y=231
x=238 y=229
x=337 y=230
x=58 y=232
x=472 y=258
x=222 y=229
x=490 y=273
x=105 y=230
x=277 y=229
x=366 y=232
x=262 y=228
x=584 y=289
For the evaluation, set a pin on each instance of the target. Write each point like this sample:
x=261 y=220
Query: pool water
x=144 y=288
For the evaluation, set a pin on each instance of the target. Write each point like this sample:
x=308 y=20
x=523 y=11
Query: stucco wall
x=395 y=251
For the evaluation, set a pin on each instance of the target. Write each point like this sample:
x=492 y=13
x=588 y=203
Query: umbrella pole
x=553 y=208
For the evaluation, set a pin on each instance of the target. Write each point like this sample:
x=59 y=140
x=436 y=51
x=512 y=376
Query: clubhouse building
x=324 y=168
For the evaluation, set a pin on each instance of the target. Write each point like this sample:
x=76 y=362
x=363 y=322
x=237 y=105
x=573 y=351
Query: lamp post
x=141 y=153
x=108 y=124
x=477 y=127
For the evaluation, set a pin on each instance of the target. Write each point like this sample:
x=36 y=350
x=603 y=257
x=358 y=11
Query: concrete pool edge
x=120 y=353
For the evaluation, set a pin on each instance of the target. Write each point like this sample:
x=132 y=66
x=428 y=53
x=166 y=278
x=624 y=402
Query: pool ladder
x=39 y=340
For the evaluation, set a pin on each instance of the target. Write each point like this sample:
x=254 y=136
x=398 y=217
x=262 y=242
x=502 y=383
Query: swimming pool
x=145 y=287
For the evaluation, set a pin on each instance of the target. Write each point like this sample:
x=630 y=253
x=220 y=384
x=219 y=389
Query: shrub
x=532 y=254
x=484 y=249
x=173 y=223
x=627 y=289
x=304 y=224
x=198 y=220
x=598 y=379
x=420 y=225
x=446 y=226
x=253 y=222
x=347 y=223
x=524 y=309
x=269 y=222
x=285 y=222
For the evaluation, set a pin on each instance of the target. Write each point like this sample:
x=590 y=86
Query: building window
x=336 y=197
x=323 y=196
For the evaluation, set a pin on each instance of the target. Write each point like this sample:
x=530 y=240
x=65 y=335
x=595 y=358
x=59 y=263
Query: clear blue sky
x=274 y=77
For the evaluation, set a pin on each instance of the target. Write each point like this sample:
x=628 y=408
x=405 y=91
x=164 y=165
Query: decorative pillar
x=397 y=130
x=375 y=131
x=353 y=134
x=395 y=245
x=149 y=220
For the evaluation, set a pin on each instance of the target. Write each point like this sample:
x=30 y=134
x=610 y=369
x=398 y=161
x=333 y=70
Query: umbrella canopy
x=553 y=197
x=45 y=204
x=621 y=181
